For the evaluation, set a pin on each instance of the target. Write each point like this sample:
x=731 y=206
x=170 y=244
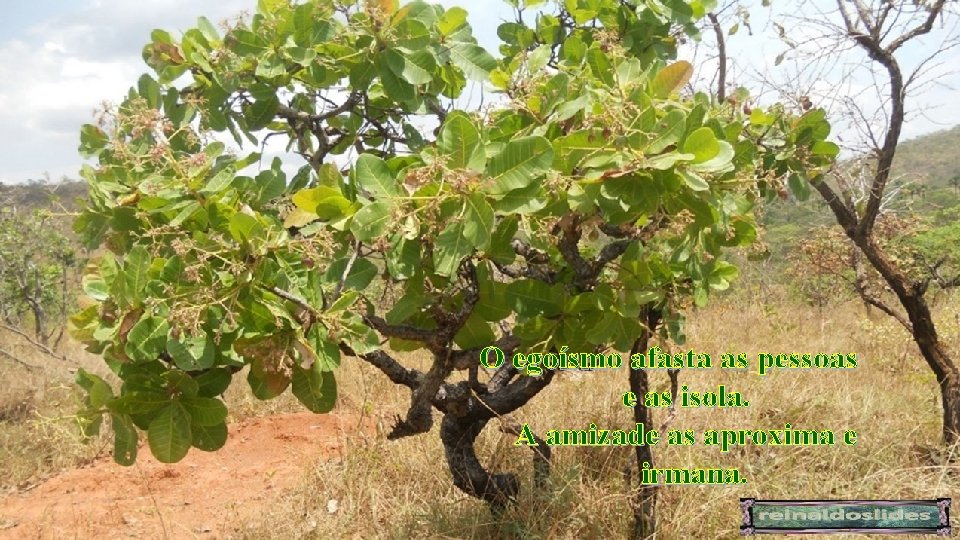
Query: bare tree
x=887 y=36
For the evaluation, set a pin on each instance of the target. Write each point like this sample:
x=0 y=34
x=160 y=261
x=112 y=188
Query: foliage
x=35 y=268
x=823 y=266
x=600 y=189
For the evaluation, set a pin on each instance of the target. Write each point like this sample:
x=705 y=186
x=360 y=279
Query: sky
x=60 y=59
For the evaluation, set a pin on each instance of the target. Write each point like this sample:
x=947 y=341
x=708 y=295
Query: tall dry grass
x=401 y=489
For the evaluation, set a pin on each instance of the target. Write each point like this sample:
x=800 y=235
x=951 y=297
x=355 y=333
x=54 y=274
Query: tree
x=578 y=219
x=35 y=271
x=882 y=31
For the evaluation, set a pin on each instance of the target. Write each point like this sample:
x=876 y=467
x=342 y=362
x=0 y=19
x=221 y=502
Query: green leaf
x=372 y=221
x=92 y=141
x=213 y=382
x=98 y=391
x=452 y=246
x=452 y=19
x=125 y=439
x=519 y=163
x=196 y=354
x=374 y=175
x=671 y=79
x=459 y=140
x=475 y=62
x=205 y=411
x=209 y=438
x=616 y=329
x=315 y=389
x=136 y=268
x=362 y=273
x=722 y=162
x=169 y=434
x=147 y=339
x=669 y=131
x=501 y=248
x=245 y=228
x=826 y=148
x=395 y=87
x=416 y=67
x=262 y=112
x=703 y=144
x=476 y=332
x=478 y=221
x=219 y=182
x=532 y=297
x=139 y=402
x=694 y=181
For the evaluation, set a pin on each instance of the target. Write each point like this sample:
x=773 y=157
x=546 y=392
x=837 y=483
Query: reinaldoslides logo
x=801 y=517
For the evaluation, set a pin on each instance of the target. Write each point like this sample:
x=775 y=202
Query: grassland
x=402 y=489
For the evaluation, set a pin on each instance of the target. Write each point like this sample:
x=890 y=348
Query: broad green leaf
x=826 y=148
x=362 y=273
x=136 y=268
x=703 y=144
x=476 y=332
x=209 y=438
x=213 y=382
x=139 y=402
x=478 y=221
x=169 y=434
x=262 y=112
x=125 y=440
x=245 y=228
x=147 y=339
x=372 y=221
x=519 y=163
x=722 y=162
x=616 y=329
x=394 y=86
x=205 y=411
x=694 y=181
x=452 y=19
x=416 y=67
x=473 y=59
x=98 y=391
x=219 y=182
x=669 y=131
x=459 y=140
x=452 y=246
x=315 y=389
x=196 y=354
x=532 y=297
x=374 y=175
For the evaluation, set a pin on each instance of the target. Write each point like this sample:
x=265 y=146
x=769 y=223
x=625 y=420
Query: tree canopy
x=597 y=186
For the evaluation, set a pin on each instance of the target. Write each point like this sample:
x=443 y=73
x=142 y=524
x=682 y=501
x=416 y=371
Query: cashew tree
x=583 y=211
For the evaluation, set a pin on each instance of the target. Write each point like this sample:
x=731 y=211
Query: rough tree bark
x=644 y=497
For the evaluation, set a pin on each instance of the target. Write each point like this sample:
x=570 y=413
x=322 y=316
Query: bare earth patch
x=206 y=495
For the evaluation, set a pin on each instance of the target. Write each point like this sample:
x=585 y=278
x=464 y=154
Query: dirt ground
x=207 y=495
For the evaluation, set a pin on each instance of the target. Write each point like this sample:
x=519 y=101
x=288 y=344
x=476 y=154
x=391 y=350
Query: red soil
x=207 y=495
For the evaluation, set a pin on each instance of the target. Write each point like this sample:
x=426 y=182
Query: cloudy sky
x=59 y=59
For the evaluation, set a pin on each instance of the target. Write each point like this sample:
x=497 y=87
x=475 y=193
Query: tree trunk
x=924 y=331
x=644 y=499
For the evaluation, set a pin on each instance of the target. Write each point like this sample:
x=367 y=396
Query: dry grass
x=403 y=490
x=38 y=432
